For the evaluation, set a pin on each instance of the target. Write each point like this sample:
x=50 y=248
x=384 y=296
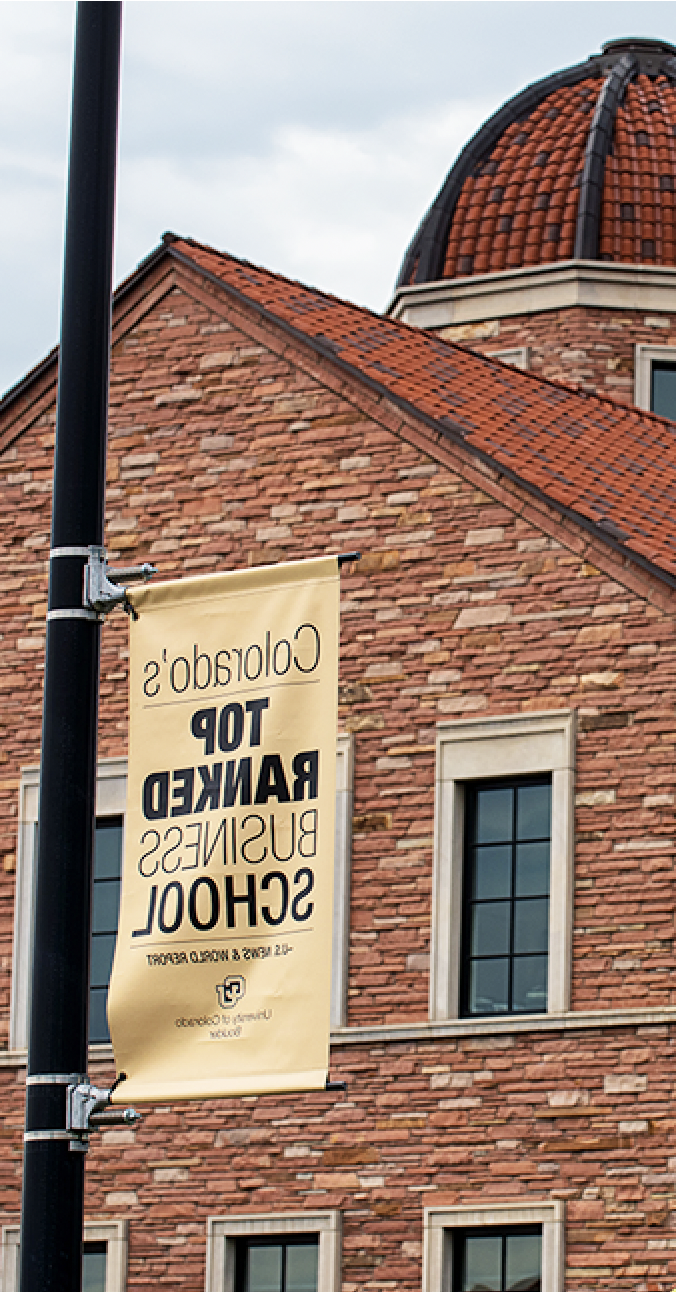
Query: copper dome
x=581 y=165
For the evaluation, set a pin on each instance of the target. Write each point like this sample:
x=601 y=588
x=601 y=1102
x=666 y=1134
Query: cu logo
x=230 y=992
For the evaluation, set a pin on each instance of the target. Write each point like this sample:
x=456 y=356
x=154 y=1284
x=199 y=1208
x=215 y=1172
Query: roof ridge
x=284 y=278
x=599 y=462
x=410 y=333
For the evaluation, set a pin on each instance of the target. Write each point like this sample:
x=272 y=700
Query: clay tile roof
x=594 y=144
x=612 y=468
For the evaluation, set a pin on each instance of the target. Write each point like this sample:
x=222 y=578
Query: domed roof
x=581 y=165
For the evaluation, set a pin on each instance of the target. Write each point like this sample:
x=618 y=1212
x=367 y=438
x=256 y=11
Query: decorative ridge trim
x=423 y=261
x=588 y=226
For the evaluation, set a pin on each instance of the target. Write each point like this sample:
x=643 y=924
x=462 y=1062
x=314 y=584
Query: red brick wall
x=224 y=451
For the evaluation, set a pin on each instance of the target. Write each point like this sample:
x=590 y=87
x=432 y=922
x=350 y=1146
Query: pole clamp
x=88 y=1108
x=103 y=589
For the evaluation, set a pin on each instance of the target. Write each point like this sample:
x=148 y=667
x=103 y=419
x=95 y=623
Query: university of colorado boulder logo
x=230 y=991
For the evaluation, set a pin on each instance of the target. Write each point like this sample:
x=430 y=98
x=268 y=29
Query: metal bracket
x=88 y=1108
x=102 y=590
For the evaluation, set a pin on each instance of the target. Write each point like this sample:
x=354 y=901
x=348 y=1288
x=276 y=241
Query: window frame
x=111 y=1232
x=644 y=358
x=490 y=749
x=223 y=1234
x=440 y=1223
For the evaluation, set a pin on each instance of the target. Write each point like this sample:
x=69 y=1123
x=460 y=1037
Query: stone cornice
x=590 y=284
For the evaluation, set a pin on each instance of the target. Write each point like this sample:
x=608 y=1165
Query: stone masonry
x=591 y=349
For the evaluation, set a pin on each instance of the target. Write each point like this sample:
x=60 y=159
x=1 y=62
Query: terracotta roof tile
x=603 y=461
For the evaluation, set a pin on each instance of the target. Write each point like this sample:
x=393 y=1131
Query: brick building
x=503 y=1012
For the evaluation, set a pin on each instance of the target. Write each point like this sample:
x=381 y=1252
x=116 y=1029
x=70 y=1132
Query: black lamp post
x=53 y=1178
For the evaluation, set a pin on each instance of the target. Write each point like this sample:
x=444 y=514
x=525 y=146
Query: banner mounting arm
x=102 y=585
x=87 y=1109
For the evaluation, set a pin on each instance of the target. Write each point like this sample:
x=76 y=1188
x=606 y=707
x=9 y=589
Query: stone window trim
x=224 y=1232
x=484 y=749
x=440 y=1222
x=341 y=883
x=644 y=358
x=111 y=800
x=518 y=356
x=111 y=1232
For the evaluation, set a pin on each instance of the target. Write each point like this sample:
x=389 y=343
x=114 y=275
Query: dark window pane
x=493 y=872
x=523 y=1261
x=663 y=390
x=532 y=870
x=493 y=816
x=106 y=906
x=301 y=1267
x=103 y=949
x=98 y=1021
x=108 y=848
x=533 y=812
x=531 y=925
x=529 y=990
x=93 y=1269
x=265 y=1269
x=483 y=1264
x=105 y=914
x=506 y=894
x=490 y=929
x=489 y=986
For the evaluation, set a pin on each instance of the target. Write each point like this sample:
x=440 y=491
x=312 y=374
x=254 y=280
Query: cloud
x=309 y=137
x=333 y=207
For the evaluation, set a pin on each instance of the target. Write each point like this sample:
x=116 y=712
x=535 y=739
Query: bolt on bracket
x=103 y=589
x=88 y=1108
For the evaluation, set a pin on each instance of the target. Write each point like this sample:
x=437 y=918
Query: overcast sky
x=309 y=137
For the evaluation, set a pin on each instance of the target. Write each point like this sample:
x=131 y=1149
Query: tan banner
x=222 y=973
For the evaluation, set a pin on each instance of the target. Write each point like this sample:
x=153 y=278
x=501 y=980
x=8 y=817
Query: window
x=501 y=916
x=502 y=1248
x=506 y=897
x=285 y=1253
x=94 y=1256
x=277 y=1264
x=111 y=790
x=655 y=379
x=663 y=390
x=517 y=357
x=105 y=915
x=506 y=1260
x=341 y=883
x=104 y=1257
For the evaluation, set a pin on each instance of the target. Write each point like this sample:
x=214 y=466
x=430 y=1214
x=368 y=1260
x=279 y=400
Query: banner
x=222 y=972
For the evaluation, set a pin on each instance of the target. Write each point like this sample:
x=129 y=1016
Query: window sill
x=505 y=1025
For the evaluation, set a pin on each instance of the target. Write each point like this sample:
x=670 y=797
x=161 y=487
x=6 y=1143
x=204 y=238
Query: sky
x=309 y=136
